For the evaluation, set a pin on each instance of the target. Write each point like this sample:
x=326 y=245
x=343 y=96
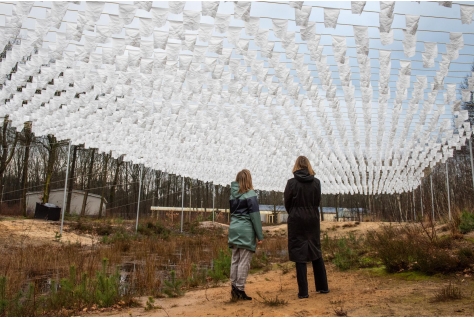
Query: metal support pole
x=65 y=188
x=213 y=196
x=421 y=198
x=182 y=202
x=432 y=198
x=472 y=164
x=447 y=188
x=139 y=193
x=190 y=203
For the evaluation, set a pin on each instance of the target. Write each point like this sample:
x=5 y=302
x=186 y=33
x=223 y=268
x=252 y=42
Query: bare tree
x=89 y=178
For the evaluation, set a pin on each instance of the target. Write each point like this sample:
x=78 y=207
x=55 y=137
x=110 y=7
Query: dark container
x=47 y=211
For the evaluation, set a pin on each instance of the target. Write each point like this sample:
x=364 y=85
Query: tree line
x=30 y=163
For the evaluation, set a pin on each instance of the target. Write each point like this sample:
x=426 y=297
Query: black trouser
x=320 y=279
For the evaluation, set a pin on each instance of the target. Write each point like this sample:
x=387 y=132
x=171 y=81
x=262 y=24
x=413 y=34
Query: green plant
x=150 y=304
x=259 y=260
x=466 y=256
x=104 y=229
x=272 y=302
x=221 y=266
x=150 y=229
x=467 y=222
x=23 y=304
x=173 y=287
x=107 y=286
x=198 y=276
x=448 y=293
x=285 y=268
x=57 y=236
x=410 y=247
x=345 y=257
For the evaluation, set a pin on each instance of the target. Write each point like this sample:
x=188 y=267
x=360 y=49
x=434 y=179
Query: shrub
x=259 y=260
x=345 y=257
x=345 y=251
x=409 y=248
x=466 y=256
x=107 y=286
x=272 y=302
x=173 y=287
x=467 y=222
x=448 y=293
x=149 y=229
x=198 y=276
x=221 y=266
x=104 y=229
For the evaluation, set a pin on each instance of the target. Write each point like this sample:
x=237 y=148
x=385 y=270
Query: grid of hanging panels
x=367 y=91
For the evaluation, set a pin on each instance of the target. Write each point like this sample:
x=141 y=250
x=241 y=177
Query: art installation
x=206 y=92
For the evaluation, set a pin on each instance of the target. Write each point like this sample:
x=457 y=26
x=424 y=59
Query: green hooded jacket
x=245 y=223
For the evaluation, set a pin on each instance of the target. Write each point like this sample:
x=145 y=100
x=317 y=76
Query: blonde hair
x=245 y=181
x=302 y=162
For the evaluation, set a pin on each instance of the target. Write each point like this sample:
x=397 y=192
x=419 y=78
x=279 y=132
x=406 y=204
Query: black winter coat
x=302 y=197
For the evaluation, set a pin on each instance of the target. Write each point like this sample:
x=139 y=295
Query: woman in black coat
x=302 y=197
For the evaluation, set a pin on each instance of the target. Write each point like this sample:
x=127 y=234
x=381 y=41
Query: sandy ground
x=359 y=293
x=39 y=232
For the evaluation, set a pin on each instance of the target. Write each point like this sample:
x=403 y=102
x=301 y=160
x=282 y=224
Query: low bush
x=408 y=247
x=448 y=293
x=150 y=228
x=272 y=302
x=198 y=277
x=467 y=222
x=172 y=287
x=259 y=260
x=221 y=266
x=344 y=252
x=68 y=294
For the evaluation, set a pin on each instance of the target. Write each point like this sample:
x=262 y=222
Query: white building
x=56 y=197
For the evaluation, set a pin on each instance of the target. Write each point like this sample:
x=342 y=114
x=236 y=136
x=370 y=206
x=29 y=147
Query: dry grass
x=448 y=293
x=272 y=301
x=145 y=259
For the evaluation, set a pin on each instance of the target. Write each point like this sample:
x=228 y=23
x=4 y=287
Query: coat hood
x=303 y=176
x=234 y=190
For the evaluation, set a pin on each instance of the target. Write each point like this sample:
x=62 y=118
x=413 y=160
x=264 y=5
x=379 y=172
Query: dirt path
x=359 y=293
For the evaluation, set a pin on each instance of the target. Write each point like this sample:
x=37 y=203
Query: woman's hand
x=259 y=242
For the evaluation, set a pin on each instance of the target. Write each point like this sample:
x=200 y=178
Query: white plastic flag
x=146 y=26
x=126 y=12
x=467 y=12
x=330 y=17
x=176 y=7
x=159 y=16
x=411 y=23
x=280 y=27
x=357 y=7
x=302 y=16
x=191 y=20
x=209 y=8
x=221 y=22
x=252 y=25
x=242 y=10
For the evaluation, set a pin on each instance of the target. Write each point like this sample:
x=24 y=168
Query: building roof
x=278 y=208
x=79 y=192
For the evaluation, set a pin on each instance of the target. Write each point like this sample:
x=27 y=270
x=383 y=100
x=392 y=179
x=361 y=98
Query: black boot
x=234 y=293
x=243 y=295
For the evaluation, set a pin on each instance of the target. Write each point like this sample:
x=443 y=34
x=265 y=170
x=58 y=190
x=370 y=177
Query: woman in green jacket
x=244 y=230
